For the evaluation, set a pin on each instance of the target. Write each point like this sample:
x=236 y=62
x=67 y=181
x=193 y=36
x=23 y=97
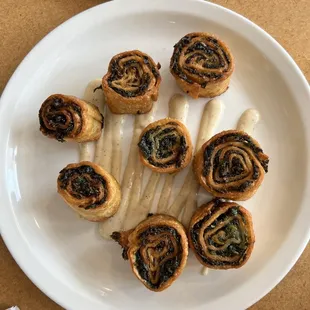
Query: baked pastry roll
x=221 y=235
x=157 y=250
x=131 y=83
x=67 y=118
x=89 y=190
x=202 y=65
x=165 y=146
x=231 y=165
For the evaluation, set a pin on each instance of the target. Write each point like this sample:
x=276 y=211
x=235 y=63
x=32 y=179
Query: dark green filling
x=217 y=58
x=54 y=117
x=168 y=268
x=117 y=73
x=81 y=186
x=166 y=143
x=226 y=172
x=210 y=75
x=232 y=230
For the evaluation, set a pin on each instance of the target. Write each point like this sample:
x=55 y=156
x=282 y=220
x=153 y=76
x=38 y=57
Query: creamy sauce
x=248 y=120
x=135 y=195
x=104 y=158
x=187 y=195
x=115 y=223
x=191 y=202
x=96 y=98
x=117 y=135
x=139 y=209
x=178 y=107
x=109 y=144
x=209 y=120
x=204 y=271
x=163 y=202
x=85 y=151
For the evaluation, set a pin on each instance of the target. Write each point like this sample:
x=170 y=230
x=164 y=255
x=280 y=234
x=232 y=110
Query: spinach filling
x=51 y=113
x=169 y=142
x=167 y=267
x=85 y=182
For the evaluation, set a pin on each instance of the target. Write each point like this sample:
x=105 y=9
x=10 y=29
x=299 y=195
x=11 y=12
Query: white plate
x=64 y=255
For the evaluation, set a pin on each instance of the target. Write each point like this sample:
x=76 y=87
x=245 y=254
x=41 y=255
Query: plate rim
x=6 y=231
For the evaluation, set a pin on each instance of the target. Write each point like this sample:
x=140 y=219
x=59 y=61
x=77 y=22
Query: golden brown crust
x=231 y=165
x=89 y=190
x=202 y=65
x=221 y=235
x=165 y=146
x=157 y=250
x=68 y=118
x=131 y=83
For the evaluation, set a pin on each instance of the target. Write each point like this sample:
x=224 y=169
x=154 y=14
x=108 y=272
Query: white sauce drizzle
x=135 y=196
x=165 y=194
x=117 y=135
x=187 y=196
x=115 y=223
x=104 y=155
x=139 y=209
x=85 y=151
x=248 y=120
x=178 y=109
x=96 y=98
x=246 y=123
x=109 y=144
x=204 y=271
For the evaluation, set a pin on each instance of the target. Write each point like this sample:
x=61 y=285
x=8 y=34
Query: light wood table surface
x=25 y=22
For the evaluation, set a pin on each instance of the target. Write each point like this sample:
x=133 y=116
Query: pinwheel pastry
x=157 y=250
x=221 y=235
x=202 y=65
x=165 y=146
x=231 y=165
x=89 y=190
x=67 y=118
x=132 y=83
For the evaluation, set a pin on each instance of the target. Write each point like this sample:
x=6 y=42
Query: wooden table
x=24 y=22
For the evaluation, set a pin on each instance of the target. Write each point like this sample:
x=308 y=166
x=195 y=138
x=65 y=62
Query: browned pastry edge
x=212 y=88
x=249 y=185
x=68 y=118
x=209 y=210
x=188 y=150
x=102 y=185
x=140 y=104
x=131 y=243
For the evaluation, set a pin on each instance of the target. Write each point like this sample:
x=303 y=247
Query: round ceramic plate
x=64 y=255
